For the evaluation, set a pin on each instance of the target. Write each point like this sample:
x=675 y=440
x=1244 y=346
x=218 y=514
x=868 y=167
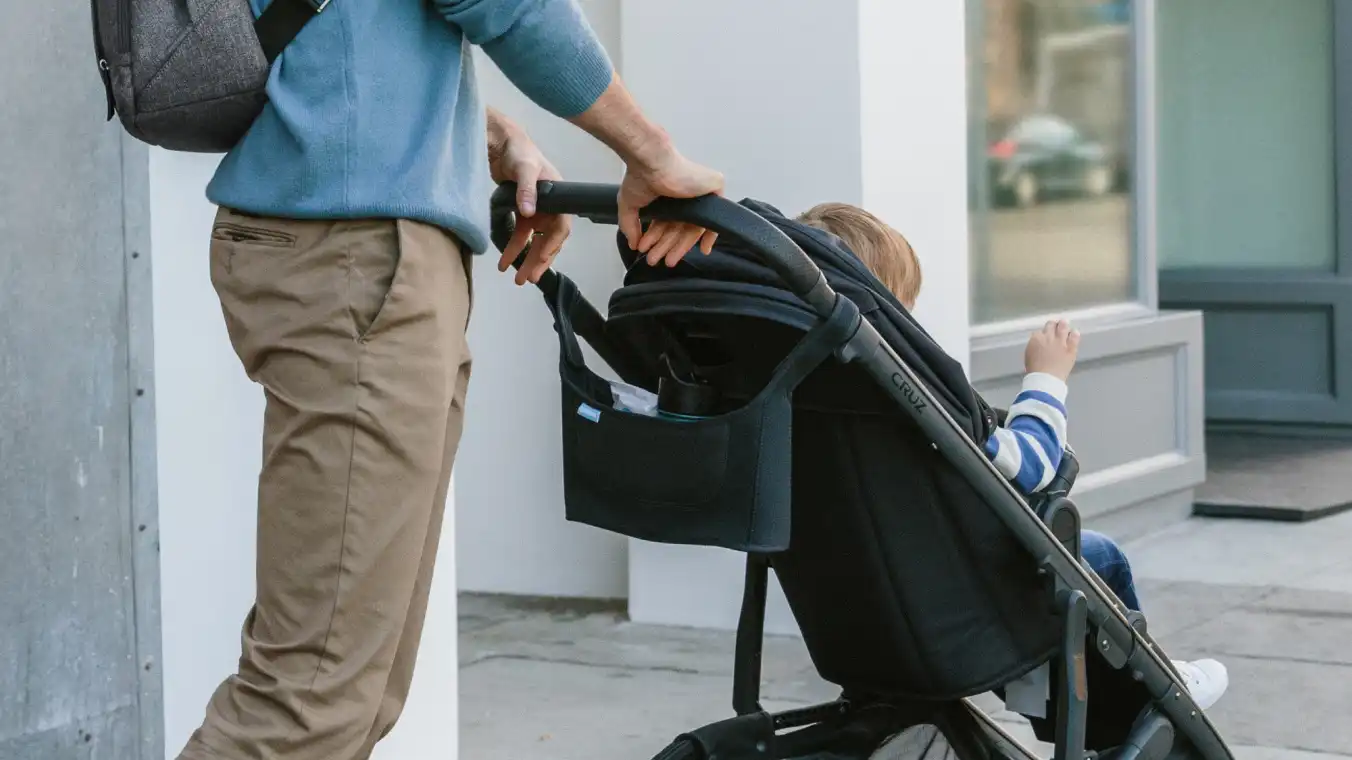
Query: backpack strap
x=281 y=21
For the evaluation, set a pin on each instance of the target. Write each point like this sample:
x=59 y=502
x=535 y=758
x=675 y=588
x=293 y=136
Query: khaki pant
x=356 y=331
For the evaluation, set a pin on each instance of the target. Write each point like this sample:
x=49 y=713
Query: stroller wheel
x=681 y=749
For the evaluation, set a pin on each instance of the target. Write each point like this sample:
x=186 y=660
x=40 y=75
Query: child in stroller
x=1029 y=447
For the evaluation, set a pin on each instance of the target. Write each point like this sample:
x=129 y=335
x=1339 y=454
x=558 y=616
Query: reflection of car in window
x=1115 y=12
x=1042 y=156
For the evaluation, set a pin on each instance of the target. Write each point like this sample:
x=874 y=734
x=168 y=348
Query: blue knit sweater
x=374 y=111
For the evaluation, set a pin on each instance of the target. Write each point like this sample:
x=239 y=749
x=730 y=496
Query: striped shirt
x=1027 y=450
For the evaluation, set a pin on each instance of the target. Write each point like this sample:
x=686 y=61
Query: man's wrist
x=653 y=150
x=637 y=141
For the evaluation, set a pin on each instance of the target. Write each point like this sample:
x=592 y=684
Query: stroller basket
x=836 y=444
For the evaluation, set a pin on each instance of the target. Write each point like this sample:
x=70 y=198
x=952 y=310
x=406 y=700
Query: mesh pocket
x=631 y=456
x=721 y=481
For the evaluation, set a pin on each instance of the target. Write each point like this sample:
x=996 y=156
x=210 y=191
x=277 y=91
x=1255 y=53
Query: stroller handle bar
x=599 y=203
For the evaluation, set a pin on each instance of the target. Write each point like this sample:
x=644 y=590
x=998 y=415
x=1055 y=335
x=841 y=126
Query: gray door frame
x=1276 y=291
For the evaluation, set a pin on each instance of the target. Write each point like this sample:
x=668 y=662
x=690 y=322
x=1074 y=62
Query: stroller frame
x=1049 y=529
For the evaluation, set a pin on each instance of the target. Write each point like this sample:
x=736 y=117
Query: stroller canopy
x=734 y=280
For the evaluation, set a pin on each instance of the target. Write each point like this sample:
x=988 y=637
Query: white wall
x=861 y=101
x=856 y=101
x=512 y=534
x=776 y=110
x=766 y=91
x=209 y=427
x=913 y=121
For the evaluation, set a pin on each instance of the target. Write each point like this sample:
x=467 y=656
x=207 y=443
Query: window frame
x=1141 y=144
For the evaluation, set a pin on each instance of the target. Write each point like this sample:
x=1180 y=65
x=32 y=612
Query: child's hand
x=1052 y=350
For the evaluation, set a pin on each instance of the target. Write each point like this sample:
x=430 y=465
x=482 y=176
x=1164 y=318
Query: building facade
x=1127 y=164
x=1014 y=144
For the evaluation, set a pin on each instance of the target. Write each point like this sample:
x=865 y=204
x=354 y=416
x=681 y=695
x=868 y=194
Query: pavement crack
x=1312 y=751
x=1284 y=658
x=1315 y=573
x=1301 y=613
x=587 y=664
x=788 y=700
x=1268 y=591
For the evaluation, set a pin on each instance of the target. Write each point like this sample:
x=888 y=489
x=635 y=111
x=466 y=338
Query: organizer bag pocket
x=716 y=481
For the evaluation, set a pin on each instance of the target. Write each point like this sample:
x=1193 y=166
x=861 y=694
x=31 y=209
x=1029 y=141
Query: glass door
x=1247 y=223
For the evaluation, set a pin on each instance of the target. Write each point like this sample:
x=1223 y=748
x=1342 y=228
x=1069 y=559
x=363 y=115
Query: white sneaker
x=1206 y=680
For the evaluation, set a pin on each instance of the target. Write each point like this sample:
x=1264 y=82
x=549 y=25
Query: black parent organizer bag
x=721 y=480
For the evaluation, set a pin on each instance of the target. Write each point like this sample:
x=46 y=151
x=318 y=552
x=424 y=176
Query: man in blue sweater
x=341 y=255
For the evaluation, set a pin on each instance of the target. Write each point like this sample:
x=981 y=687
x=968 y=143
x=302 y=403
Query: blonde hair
x=882 y=249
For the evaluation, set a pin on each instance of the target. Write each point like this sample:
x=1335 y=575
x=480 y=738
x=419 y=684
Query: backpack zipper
x=107 y=89
x=123 y=24
x=105 y=72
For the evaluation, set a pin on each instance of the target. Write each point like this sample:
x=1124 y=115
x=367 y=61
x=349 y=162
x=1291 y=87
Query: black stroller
x=804 y=418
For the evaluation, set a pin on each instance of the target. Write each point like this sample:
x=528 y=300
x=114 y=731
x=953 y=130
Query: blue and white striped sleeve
x=1028 y=449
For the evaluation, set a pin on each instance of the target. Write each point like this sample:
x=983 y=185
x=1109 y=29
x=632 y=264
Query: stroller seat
x=804 y=418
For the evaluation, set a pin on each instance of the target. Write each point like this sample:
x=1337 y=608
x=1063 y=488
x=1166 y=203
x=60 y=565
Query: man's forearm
x=616 y=120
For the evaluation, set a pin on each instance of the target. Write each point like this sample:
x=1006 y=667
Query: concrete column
x=797 y=102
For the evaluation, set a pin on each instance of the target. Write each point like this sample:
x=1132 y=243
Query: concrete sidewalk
x=1273 y=601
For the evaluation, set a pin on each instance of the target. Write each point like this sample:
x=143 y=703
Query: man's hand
x=665 y=175
x=654 y=169
x=513 y=157
x=1052 y=350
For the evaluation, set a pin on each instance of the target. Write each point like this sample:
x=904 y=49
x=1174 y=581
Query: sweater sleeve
x=1028 y=449
x=545 y=47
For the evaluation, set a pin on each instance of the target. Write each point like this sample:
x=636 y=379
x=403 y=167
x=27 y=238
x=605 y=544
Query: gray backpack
x=189 y=75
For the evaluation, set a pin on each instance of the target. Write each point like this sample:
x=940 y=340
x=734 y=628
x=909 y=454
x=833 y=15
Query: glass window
x=1246 y=135
x=1051 y=126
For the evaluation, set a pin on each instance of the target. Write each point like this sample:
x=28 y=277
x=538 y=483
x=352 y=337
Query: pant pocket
x=468 y=259
x=376 y=261
x=234 y=232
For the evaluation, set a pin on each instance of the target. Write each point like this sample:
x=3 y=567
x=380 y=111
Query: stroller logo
x=909 y=391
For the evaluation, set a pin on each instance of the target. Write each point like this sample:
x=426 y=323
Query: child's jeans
x=1110 y=564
